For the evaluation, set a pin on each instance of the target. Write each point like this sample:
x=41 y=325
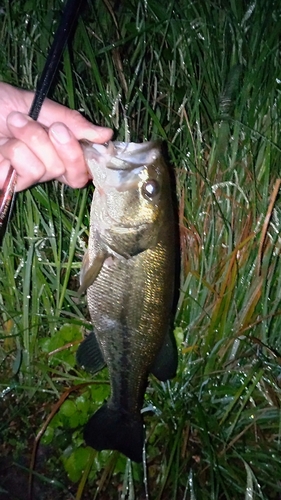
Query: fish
x=129 y=272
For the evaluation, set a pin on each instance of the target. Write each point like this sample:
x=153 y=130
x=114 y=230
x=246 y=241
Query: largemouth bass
x=129 y=274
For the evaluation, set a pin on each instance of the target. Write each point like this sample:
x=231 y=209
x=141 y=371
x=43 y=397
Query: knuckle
x=23 y=160
x=13 y=150
x=76 y=115
x=36 y=134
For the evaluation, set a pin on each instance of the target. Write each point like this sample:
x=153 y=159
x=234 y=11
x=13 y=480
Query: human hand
x=37 y=154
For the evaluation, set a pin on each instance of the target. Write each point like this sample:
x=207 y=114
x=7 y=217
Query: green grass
x=205 y=77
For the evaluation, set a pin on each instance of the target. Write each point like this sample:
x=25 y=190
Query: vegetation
x=205 y=77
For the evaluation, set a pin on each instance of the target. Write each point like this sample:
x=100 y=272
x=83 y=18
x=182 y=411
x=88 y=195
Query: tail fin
x=110 y=429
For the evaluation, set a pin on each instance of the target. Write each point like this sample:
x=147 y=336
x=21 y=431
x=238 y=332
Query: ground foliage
x=205 y=77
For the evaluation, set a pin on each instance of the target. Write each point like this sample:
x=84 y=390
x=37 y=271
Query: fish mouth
x=124 y=155
x=131 y=155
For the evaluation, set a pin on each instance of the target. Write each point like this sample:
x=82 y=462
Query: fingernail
x=18 y=119
x=60 y=133
x=98 y=134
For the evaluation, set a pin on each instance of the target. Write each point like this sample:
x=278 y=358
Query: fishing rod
x=69 y=16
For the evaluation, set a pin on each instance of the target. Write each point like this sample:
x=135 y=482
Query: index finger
x=81 y=128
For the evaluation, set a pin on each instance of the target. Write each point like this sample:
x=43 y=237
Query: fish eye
x=150 y=189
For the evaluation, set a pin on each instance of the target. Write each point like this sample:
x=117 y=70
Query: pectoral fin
x=90 y=272
x=89 y=355
x=165 y=364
